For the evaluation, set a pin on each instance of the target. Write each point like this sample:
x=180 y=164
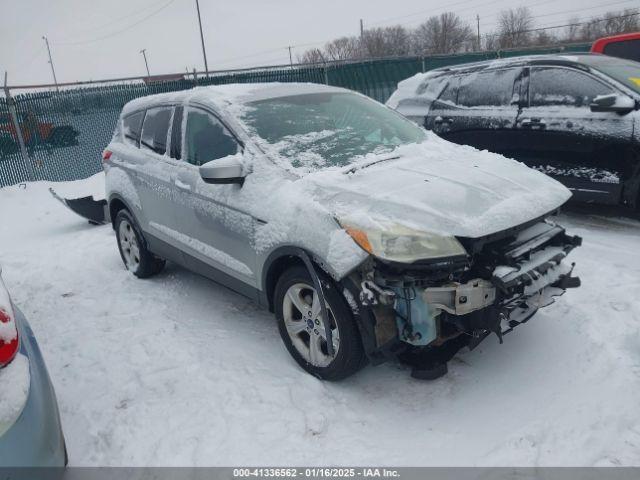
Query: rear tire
x=297 y=309
x=133 y=248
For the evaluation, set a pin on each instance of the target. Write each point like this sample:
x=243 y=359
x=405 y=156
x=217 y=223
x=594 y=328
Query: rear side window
x=488 y=88
x=176 y=134
x=207 y=139
x=629 y=49
x=550 y=86
x=131 y=126
x=450 y=93
x=156 y=130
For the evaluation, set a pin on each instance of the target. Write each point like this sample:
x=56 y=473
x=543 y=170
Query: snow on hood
x=439 y=187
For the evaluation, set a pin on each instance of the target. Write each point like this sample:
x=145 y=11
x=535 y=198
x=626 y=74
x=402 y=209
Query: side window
x=629 y=49
x=488 y=88
x=550 y=86
x=131 y=125
x=176 y=133
x=207 y=139
x=156 y=129
x=450 y=92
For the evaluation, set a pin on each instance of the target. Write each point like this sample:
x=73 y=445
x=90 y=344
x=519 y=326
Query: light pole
x=146 y=64
x=204 y=51
x=53 y=70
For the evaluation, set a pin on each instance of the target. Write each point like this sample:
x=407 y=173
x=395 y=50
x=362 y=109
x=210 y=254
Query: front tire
x=297 y=308
x=133 y=249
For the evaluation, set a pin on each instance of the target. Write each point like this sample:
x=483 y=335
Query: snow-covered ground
x=177 y=370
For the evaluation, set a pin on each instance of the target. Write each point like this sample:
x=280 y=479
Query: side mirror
x=223 y=171
x=613 y=103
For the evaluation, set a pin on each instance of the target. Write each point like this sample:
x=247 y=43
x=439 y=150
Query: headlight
x=405 y=245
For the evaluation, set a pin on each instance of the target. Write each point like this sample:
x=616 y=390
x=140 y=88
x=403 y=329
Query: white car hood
x=438 y=187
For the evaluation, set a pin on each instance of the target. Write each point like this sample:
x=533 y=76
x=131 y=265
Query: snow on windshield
x=313 y=131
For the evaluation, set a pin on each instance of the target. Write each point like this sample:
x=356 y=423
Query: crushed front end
x=426 y=311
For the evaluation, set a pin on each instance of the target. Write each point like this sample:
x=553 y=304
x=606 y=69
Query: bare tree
x=397 y=41
x=572 y=32
x=592 y=29
x=445 y=33
x=344 y=48
x=514 y=27
x=491 y=41
x=621 y=22
x=373 y=43
x=611 y=23
x=543 y=37
x=313 y=55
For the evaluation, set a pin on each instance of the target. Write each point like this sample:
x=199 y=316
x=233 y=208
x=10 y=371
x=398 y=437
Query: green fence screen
x=65 y=132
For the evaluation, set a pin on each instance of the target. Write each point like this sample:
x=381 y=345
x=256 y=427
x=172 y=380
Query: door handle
x=439 y=120
x=533 y=123
x=181 y=181
x=181 y=185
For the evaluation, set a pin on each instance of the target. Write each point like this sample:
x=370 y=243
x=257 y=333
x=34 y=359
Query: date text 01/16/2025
x=315 y=472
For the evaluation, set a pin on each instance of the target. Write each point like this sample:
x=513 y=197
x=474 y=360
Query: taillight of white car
x=9 y=342
x=14 y=367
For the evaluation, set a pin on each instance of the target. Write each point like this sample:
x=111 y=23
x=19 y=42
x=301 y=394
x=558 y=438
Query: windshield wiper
x=363 y=166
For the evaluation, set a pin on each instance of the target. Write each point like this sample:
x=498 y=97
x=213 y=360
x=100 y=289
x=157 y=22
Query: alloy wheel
x=129 y=245
x=303 y=321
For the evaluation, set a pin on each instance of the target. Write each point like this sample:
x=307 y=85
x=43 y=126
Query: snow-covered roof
x=423 y=84
x=523 y=59
x=237 y=93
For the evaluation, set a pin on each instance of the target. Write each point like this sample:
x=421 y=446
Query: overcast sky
x=93 y=39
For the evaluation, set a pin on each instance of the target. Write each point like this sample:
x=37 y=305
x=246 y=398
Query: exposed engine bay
x=425 y=312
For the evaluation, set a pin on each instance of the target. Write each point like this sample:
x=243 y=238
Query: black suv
x=574 y=117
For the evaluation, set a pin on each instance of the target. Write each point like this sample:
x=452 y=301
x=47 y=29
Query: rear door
x=212 y=229
x=479 y=109
x=155 y=172
x=560 y=135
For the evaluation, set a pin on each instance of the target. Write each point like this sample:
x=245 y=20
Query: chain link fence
x=51 y=134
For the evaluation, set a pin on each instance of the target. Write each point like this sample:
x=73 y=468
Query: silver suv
x=368 y=237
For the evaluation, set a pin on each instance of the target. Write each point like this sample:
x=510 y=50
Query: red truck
x=626 y=45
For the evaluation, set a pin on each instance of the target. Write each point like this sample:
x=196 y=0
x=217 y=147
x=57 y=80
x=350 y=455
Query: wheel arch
x=117 y=203
x=280 y=260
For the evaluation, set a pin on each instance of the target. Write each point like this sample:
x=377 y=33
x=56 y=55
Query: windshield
x=624 y=71
x=318 y=130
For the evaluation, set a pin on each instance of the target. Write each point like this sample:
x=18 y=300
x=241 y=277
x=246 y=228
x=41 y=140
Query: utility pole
x=53 y=71
x=204 y=51
x=361 y=28
x=146 y=64
x=290 y=57
x=478 y=20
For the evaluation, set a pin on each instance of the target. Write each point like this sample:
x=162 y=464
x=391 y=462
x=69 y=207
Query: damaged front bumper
x=505 y=282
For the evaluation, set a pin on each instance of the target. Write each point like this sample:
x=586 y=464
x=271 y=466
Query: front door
x=560 y=135
x=213 y=229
